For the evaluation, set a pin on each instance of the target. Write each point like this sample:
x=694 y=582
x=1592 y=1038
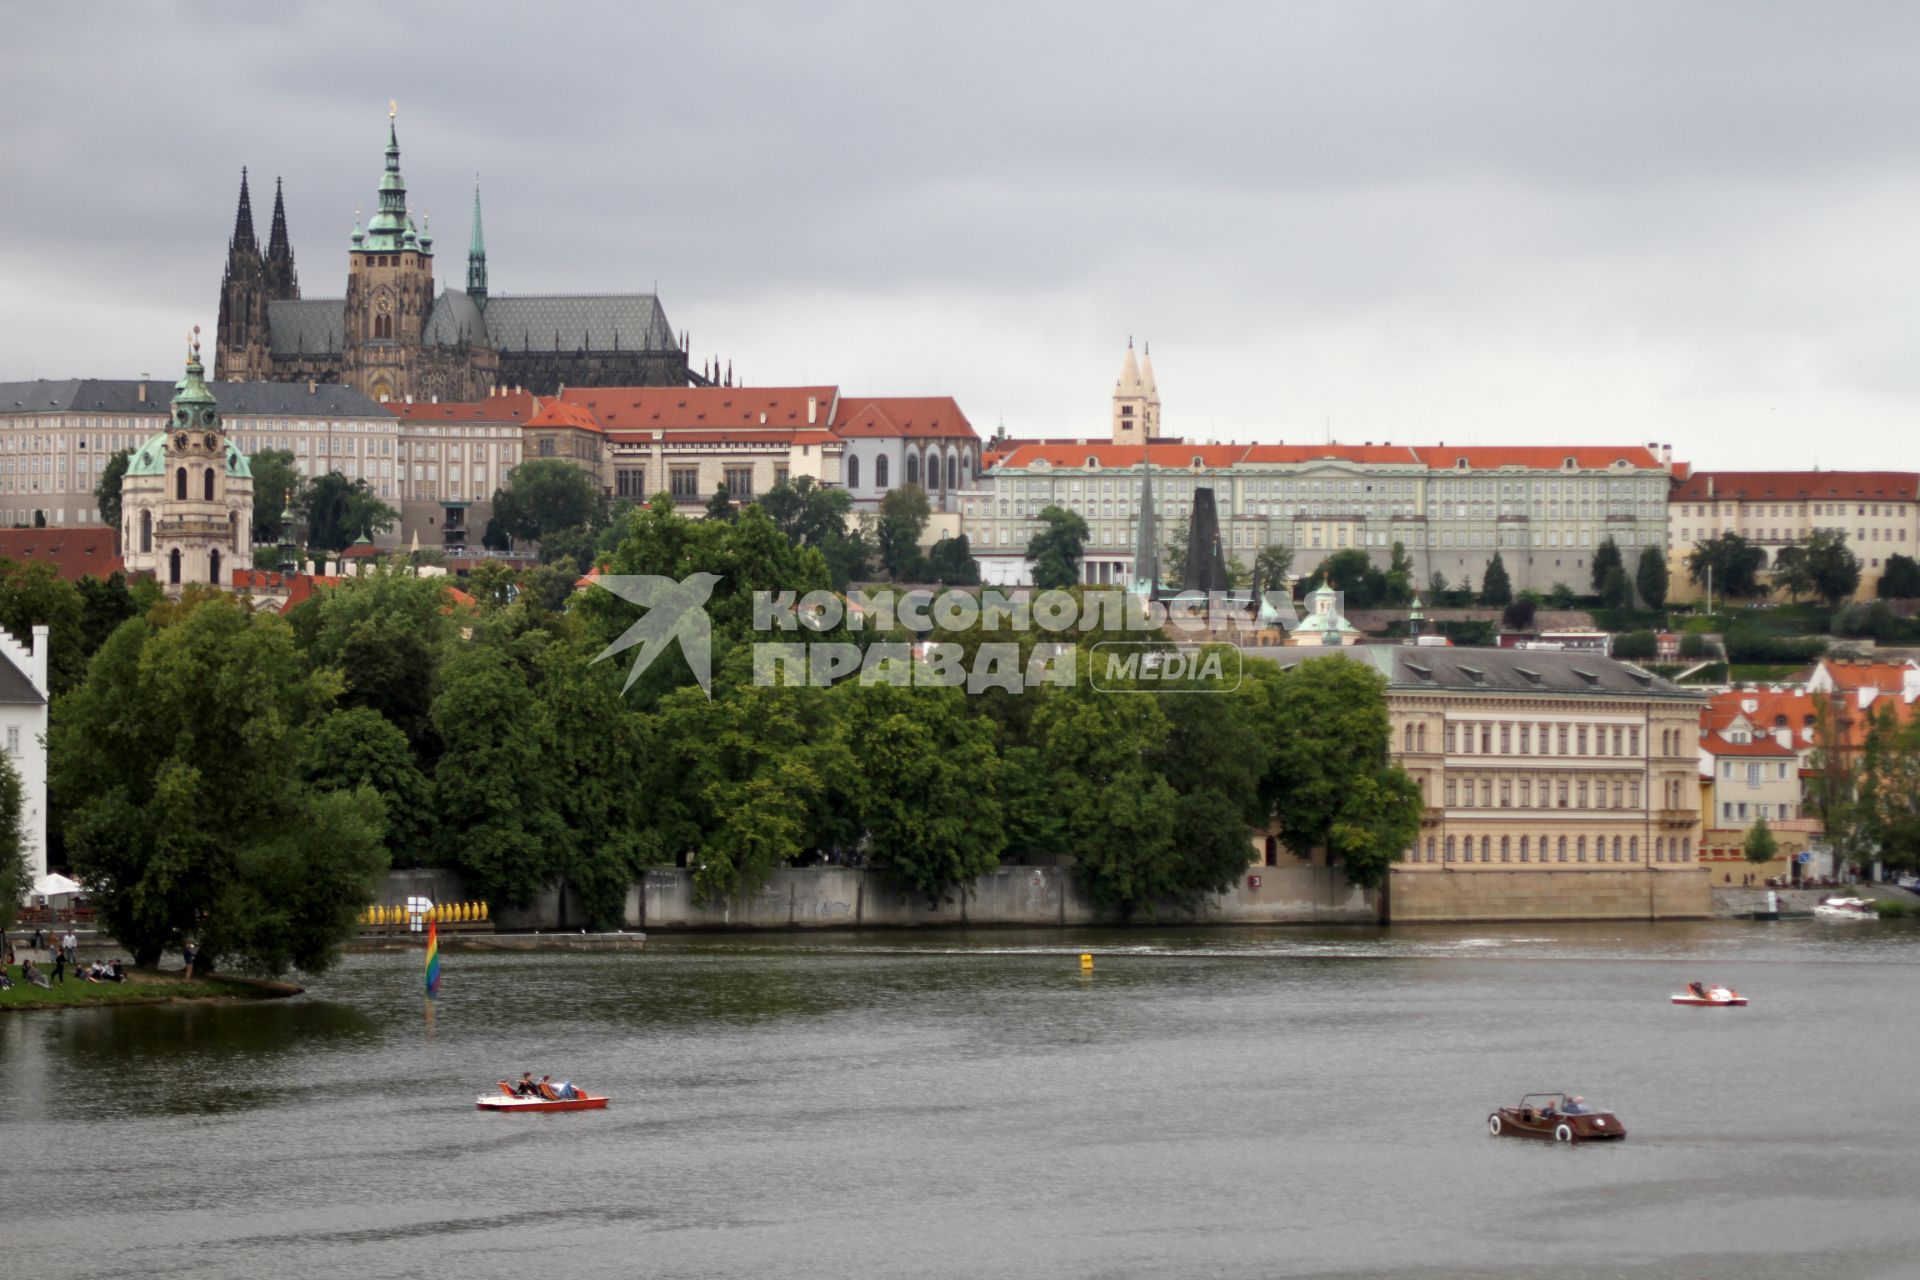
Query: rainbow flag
x=433 y=958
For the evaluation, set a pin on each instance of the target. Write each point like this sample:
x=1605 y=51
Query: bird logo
x=675 y=611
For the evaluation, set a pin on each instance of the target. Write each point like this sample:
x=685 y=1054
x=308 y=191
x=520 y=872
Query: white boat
x=1846 y=909
x=1710 y=995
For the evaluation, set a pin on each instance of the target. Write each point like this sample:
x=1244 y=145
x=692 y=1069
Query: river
x=1249 y=1102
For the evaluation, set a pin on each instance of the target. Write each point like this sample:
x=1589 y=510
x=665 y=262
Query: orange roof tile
x=935 y=417
x=697 y=408
x=1592 y=457
x=1800 y=486
x=1176 y=457
x=76 y=551
x=1888 y=677
x=558 y=413
x=1363 y=453
x=1764 y=746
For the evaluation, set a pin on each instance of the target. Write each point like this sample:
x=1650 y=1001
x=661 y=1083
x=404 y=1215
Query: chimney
x=813 y=410
x=1709 y=486
x=313 y=388
x=37 y=669
x=143 y=393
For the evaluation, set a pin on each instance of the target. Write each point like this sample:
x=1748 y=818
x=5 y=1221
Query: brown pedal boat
x=1557 y=1117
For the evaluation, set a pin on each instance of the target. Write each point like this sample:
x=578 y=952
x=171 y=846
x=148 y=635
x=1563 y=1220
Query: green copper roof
x=389 y=229
x=477 y=254
x=192 y=409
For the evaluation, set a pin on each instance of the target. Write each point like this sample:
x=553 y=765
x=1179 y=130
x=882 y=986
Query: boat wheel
x=1493 y=1124
x=1563 y=1133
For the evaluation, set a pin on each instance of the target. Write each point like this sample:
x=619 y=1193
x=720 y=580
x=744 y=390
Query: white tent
x=56 y=885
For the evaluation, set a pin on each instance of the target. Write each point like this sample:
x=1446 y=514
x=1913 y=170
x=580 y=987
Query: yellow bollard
x=1086 y=962
x=483 y=911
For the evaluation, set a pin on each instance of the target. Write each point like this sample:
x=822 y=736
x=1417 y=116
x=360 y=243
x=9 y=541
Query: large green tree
x=1732 y=563
x=813 y=515
x=1760 y=845
x=175 y=768
x=357 y=747
x=1329 y=782
x=1496 y=589
x=275 y=483
x=952 y=564
x=1650 y=576
x=904 y=513
x=1274 y=566
x=1830 y=569
x=339 y=512
x=1055 y=550
x=1900 y=579
x=1606 y=558
x=34 y=594
x=106 y=494
x=15 y=878
x=545 y=495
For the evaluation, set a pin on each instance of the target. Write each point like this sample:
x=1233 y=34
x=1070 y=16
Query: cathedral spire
x=282 y=280
x=243 y=240
x=477 y=253
x=387 y=228
x=1146 y=545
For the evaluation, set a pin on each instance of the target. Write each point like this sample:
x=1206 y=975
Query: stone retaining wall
x=1554 y=894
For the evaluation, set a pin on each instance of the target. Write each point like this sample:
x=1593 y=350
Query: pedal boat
x=507 y=1100
x=1714 y=997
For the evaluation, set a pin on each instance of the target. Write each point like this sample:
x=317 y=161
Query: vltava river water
x=1298 y=1102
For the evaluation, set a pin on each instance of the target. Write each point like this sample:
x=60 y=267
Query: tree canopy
x=339 y=512
x=1496 y=589
x=1055 y=550
x=1650 y=576
x=545 y=496
x=1730 y=561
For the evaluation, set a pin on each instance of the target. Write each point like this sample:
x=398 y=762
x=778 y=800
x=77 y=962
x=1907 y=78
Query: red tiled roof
x=76 y=551
x=917 y=417
x=695 y=408
x=1175 y=457
x=297 y=586
x=507 y=410
x=362 y=551
x=1590 y=457
x=1724 y=708
x=558 y=413
x=1800 y=486
x=1714 y=745
x=1888 y=677
x=1364 y=453
x=724 y=437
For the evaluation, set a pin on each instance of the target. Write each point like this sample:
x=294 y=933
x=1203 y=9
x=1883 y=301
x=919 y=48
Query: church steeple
x=282 y=280
x=1146 y=543
x=477 y=254
x=1136 y=405
x=388 y=229
x=243 y=240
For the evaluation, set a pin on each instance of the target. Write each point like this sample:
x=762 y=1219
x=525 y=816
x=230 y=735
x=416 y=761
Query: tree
x=1833 y=571
x=1650 y=576
x=1834 y=791
x=1760 y=846
x=952 y=564
x=106 y=494
x=544 y=496
x=1606 y=558
x=904 y=513
x=1495 y=589
x=928 y=811
x=812 y=515
x=103 y=607
x=1900 y=579
x=1056 y=549
x=175 y=771
x=34 y=594
x=16 y=880
x=1616 y=592
x=339 y=512
x=1437 y=588
x=1887 y=812
x=1694 y=645
x=1352 y=572
x=1399 y=576
x=358 y=747
x=1518 y=616
x=720 y=505
x=1732 y=563
x=1635 y=646
x=1560 y=596
x=1273 y=566
x=275 y=482
x=1792 y=573
x=1328 y=780
x=494 y=584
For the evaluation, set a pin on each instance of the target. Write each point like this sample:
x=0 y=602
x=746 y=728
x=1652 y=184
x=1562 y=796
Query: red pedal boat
x=508 y=1100
x=1710 y=995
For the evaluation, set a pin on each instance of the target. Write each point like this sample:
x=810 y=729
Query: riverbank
x=139 y=988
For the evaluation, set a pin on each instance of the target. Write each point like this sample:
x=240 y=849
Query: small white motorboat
x=1710 y=995
x=1846 y=909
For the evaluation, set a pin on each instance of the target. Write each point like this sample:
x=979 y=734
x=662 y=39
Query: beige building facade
x=1877 y=511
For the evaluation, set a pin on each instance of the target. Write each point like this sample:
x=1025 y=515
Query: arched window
x=880 y=472
x=233 y=527
x=1273 y=851
x=1430 y=849
x=1523 y=848
x=207 y=476
x=1506 y=849
x=1449 y=848
x=1580 y=849
x=1563 y=848
x=1486 y=848
x=853 y=472
x=146 y=531
x=1633 y=849
x=173 y=563
x=1616 y=848
x=180 y=484
x=1409 y=736
x=953 y=472
x=913 y=467
x=1686 y=848
x=213 y=567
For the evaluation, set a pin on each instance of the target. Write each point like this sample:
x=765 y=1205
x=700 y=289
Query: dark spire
x=477 y=253
x=243 y=241
x=282 y=280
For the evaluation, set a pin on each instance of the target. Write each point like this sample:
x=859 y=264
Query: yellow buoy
x=1086 y=962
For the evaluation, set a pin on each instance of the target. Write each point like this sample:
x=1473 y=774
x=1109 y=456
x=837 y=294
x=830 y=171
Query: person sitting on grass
x=6 y=983
x=115 y=972
x=29 y=972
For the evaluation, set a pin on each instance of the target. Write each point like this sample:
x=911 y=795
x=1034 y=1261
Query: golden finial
x=393 y=108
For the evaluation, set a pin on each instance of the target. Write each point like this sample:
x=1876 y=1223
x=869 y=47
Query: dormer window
x=1475 y=674
x=1568 y=464
x=1093 y=463
x=1459 y=464
x=1197 y=464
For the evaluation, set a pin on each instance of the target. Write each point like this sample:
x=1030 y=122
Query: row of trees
x=242 y=778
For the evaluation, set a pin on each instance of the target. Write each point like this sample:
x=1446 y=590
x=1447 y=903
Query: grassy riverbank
x=139 y=988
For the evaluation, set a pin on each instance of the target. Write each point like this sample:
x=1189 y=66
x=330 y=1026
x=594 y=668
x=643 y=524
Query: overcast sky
x=1526 y=222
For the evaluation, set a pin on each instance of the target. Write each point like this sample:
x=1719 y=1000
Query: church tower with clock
x=389 y=289
x=186 y=501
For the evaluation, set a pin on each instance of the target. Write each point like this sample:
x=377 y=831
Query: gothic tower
x=1136 y=402
x=283 y=282
x=241 y=338
x=389 y=288
x=477 y=255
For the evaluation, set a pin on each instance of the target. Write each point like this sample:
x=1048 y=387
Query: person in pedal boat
x=524 y=1087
